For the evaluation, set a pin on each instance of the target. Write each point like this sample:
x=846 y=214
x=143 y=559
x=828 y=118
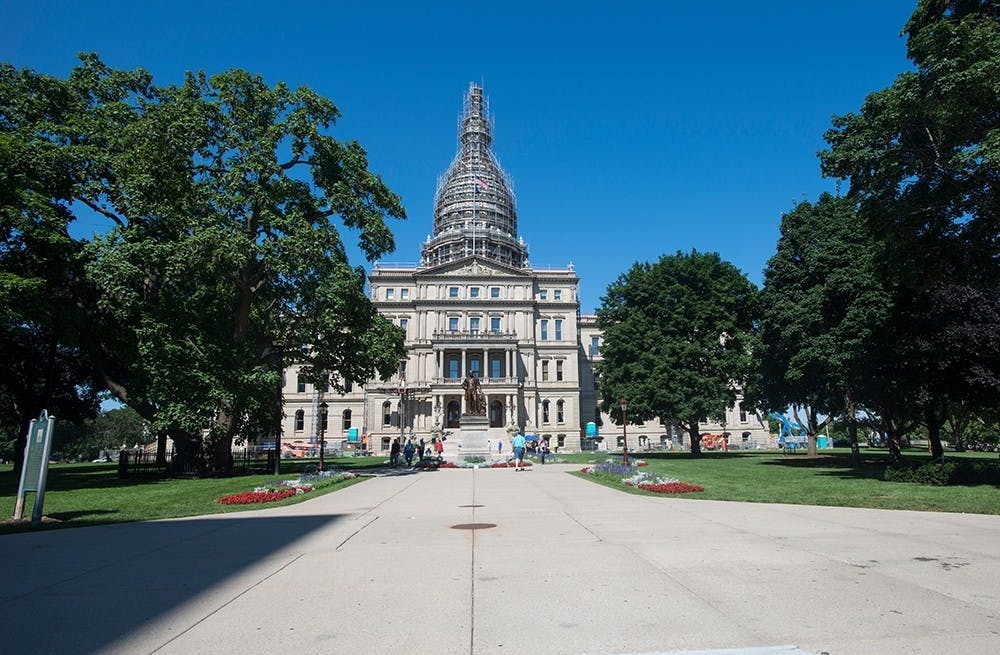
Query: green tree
x=923 y=161
x=676 y=340
x=823 y=313
x=223 y=261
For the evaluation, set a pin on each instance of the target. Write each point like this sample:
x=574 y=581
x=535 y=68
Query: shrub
x=933 y=473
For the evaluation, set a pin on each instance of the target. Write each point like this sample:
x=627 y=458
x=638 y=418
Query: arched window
x=560 y=411
x=545 y=411
x=347 y=420
x=386 y=413
x=300 y=420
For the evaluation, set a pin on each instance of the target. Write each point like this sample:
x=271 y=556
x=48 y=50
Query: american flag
x=481 y=184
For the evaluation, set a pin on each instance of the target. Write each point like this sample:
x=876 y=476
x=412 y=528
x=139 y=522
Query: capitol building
x=475 y=305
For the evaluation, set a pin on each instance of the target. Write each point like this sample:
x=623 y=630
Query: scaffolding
x=475 y=212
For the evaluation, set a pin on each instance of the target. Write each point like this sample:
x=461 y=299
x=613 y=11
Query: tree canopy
x=923 y=161
x=222 y=261
x=823 y=314
x=676 y=339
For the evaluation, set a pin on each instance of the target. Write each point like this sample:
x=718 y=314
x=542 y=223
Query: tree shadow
x=131 y=575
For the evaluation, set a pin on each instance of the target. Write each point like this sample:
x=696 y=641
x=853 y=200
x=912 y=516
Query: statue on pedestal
x=475 y=400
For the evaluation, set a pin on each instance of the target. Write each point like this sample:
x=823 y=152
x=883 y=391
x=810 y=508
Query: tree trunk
x=852 y=429
x=935 y=414
x=892 y=434
x=695 y=438
x=161 y=448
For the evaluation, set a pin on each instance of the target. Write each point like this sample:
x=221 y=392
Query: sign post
x=35 y=470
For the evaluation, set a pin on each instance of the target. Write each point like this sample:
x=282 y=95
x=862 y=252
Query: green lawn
x=91 y=494
x=829 y=479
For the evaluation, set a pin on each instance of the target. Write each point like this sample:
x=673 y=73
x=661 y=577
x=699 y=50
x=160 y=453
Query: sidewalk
x=391 y=566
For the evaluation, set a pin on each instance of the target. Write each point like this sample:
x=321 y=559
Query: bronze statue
x=475 y=401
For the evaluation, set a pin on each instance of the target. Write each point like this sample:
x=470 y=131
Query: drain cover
x=473 y=526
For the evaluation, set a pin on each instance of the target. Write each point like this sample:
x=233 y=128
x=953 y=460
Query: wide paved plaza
x=558 y=565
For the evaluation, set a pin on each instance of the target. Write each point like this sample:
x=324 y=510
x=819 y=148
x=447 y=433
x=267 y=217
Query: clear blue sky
x=631 y=129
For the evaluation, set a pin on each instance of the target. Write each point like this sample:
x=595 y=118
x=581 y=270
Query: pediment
x=474 y=267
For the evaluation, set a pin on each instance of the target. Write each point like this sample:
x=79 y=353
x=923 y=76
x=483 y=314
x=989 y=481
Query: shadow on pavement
x=76 y=591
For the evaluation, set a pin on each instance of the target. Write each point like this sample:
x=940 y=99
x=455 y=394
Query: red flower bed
x=251 y=497
x=509 y=465
x=670 y=487
x=447 y=465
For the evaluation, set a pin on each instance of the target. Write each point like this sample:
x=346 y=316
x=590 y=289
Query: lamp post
x=323 y=407
x=625 y=460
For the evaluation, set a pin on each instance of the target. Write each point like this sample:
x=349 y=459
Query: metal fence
x=139 y=463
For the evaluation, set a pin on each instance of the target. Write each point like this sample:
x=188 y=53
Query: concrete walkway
x=558 y=565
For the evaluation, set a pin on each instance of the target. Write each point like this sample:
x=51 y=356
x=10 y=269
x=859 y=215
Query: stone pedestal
x=473 y=437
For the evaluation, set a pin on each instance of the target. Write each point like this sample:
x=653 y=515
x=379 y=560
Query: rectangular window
x=743 y=413
x=494 y=292
x=453 y=324
x=474 y=292
x=453 y=368
x=404 y=294
x=494 y=324
x=390 y=294
x=475 y=368
x=556 y=294
x=560 y=412
x=545 y=329
x=495 y=369
x=559 y=371
x=545 y=370
x=403 y=323
x=595 y=346
x=474 y=325
x=558 y=329
x=561 y=441
x=545 y=411
x=300 y=385
x=453 y=292
x=543 y=294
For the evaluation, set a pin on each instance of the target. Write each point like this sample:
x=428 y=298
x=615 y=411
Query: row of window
x=558 y=370
x=560 y=412
x=300 y=420
x=543 y=326
x=474 y=292
x=475 y=324
x=324 y=386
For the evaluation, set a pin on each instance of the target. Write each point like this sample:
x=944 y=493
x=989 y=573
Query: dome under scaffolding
x=474 y=206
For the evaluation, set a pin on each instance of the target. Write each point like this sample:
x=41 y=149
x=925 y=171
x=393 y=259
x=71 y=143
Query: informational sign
x=35 y=470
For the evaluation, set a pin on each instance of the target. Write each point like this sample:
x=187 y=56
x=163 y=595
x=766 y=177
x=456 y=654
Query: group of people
x=409 y=449
x=520 y=445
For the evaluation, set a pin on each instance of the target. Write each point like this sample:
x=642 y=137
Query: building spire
x=474 y=207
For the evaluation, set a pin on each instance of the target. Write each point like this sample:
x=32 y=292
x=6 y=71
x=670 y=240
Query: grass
x=828 y=479
x=91 y=494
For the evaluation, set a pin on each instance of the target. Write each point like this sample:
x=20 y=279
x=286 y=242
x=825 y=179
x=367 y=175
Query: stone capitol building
x=475 y=305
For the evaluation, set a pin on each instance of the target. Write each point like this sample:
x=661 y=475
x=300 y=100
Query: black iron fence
x=139 y=463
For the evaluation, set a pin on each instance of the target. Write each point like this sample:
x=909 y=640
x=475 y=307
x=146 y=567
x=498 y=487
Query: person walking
x=499 y=447
x=394 y=453
x=408 y=451
x=543 y=449
x=423 y=447
x=439 y=447
x=518 y=443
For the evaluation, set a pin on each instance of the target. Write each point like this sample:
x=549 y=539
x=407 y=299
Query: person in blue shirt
x=518 y=443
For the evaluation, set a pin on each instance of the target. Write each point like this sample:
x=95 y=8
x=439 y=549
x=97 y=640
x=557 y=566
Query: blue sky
x=631 y=129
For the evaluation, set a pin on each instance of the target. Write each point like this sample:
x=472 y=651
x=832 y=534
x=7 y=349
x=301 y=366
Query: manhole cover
x=471 y=505
x=473 y=526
